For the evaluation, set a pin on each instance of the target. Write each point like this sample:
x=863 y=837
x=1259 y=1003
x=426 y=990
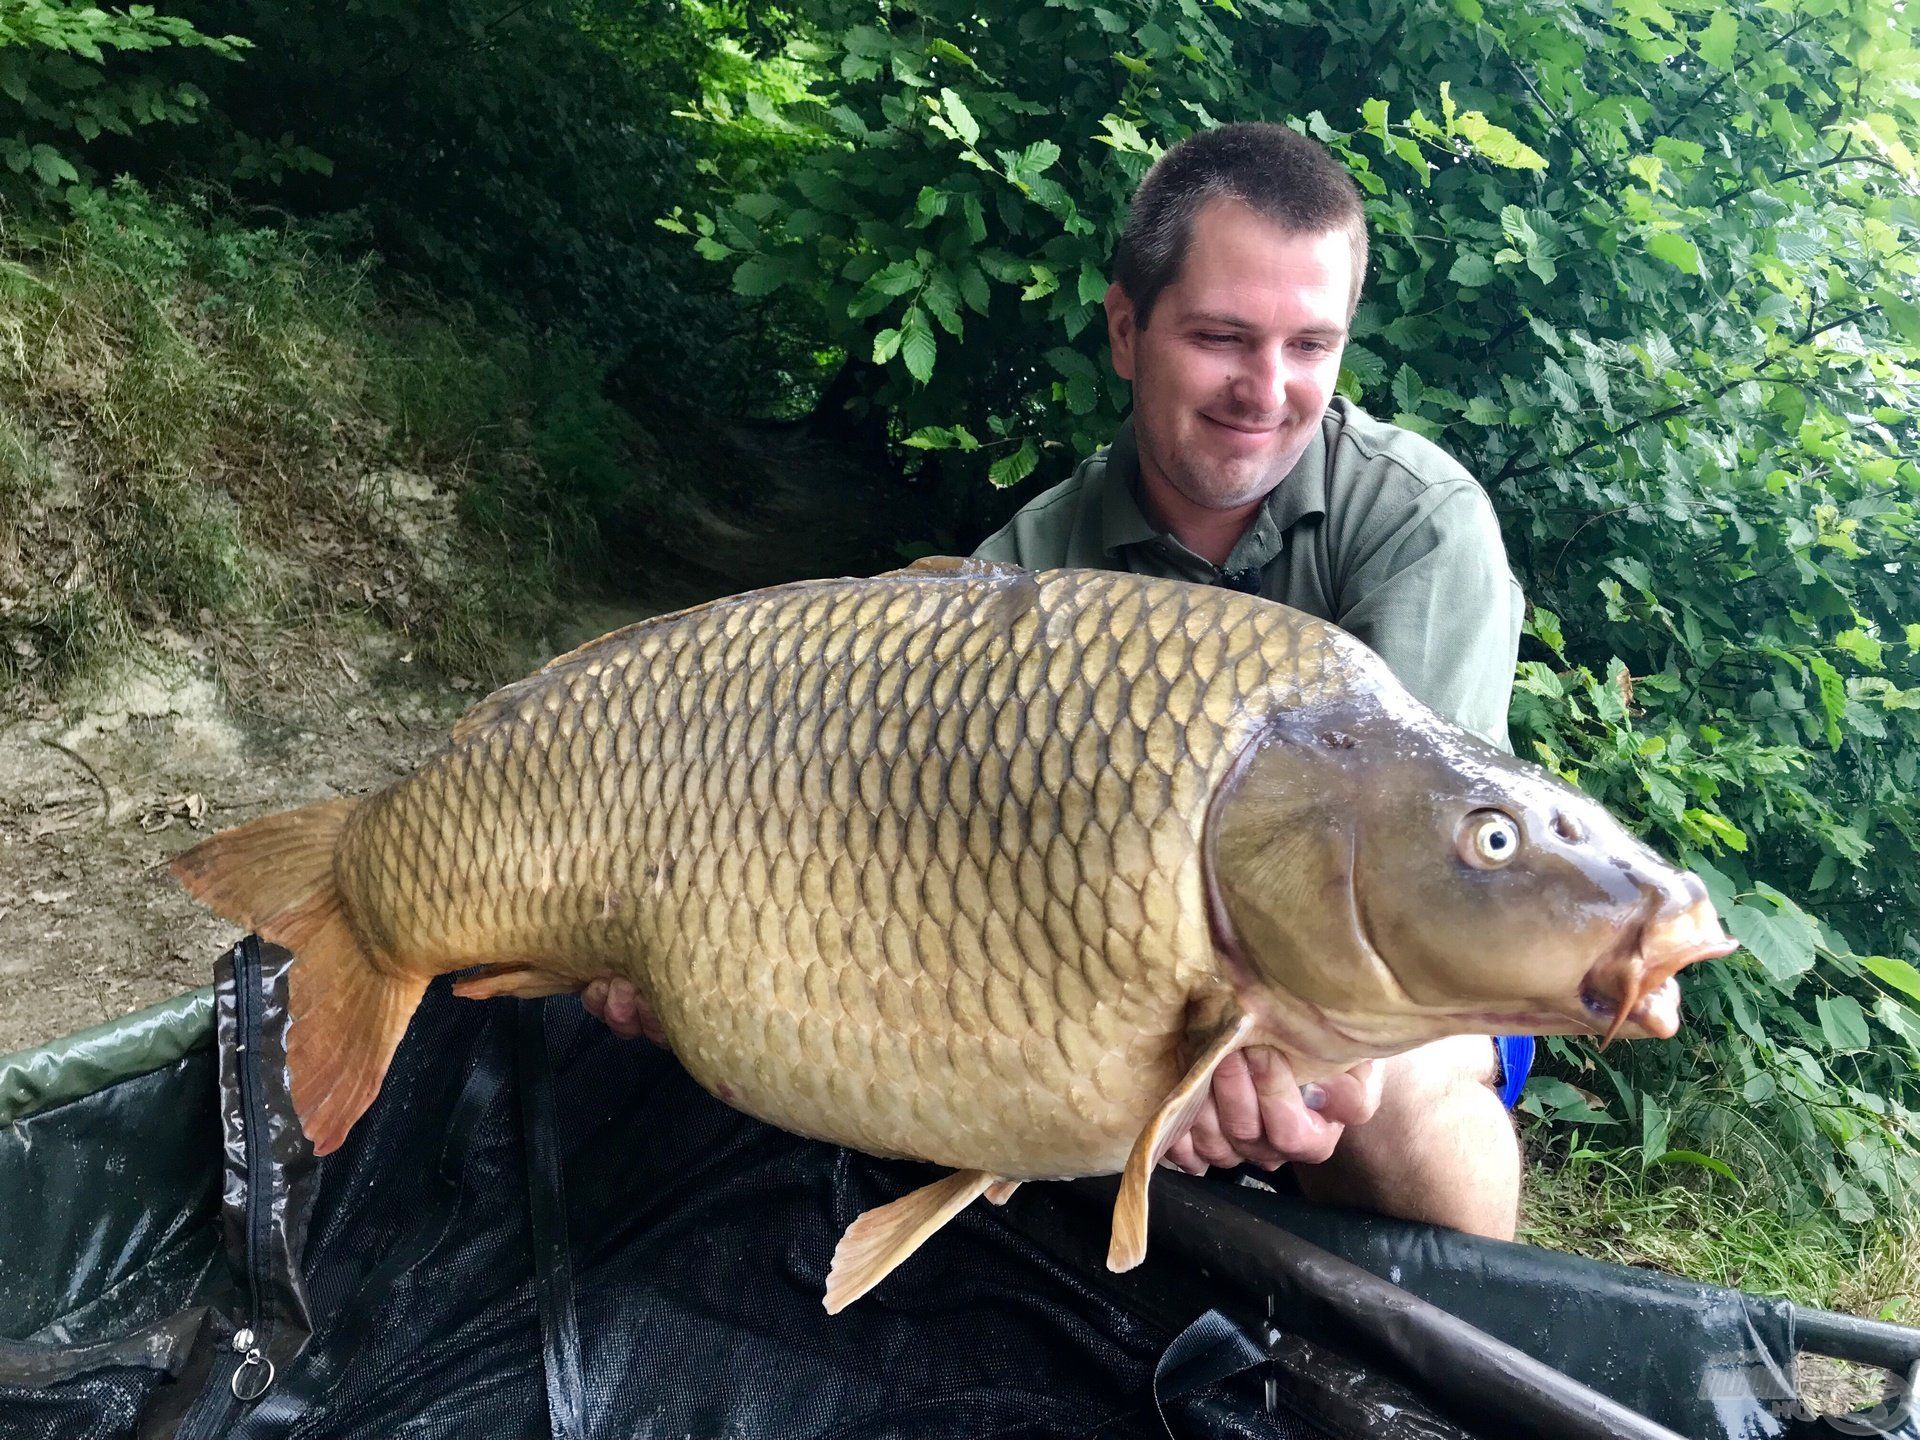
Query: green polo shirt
x=1375 y=529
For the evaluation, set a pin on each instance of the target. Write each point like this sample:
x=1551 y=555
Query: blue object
x=1516 y=1060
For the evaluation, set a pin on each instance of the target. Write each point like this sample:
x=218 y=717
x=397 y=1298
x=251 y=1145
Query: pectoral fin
x=883 y=1237
x=1128 y=1247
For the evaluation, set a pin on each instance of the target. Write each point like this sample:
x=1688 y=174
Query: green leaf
x=1014 y=468
x=1471 y=269
x=1122 y=135
x=942 y=437
x=1500 y=146
x=51 y=166
x=1843 y=1022
x=1677 y=250
x=1554 y=1099
x=885 y=346
x=961 y=118
x=1900 y=974
x=758 y=275
x=917 y=345
x=1720 y=828
x=1783 y=944
x=1833 y=696
x=1654 y=1123
x=1646 y=169
x=1695 y=1158
x=1407 y=389
x=1717 y=41
x=1861 y=646
x=1900 y=1020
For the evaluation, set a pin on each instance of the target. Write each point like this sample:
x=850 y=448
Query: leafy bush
x=64 y=91
x=1650 y=271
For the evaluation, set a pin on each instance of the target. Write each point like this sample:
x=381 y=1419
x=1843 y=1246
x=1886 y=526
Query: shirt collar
x=1123 y=522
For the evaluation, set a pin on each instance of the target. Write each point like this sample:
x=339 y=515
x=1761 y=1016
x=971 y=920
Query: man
x=1235 y=281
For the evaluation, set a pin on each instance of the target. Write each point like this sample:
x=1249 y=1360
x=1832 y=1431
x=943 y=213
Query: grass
x=1706 y=1228
x=201 y=419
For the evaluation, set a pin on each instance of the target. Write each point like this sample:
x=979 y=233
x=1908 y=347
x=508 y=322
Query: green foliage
x=1651 y=272
x=512 y=157
x=61 y=89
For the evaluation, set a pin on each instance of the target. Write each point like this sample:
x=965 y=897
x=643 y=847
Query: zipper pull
x=252 y=1358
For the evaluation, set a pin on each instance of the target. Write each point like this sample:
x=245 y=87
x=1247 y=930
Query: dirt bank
x=101 y=788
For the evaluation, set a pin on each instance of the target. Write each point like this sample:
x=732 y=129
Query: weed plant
x=1698 y=1224
x=200 y=422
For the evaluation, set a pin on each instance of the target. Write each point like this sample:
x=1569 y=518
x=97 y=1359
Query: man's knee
x=1435 y=1079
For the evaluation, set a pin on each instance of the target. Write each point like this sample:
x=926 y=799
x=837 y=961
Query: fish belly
x=910 y=864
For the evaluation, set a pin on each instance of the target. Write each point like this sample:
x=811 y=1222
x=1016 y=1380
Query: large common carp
x=967 y=864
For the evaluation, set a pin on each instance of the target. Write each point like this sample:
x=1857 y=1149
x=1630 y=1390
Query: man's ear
x=1120 y=329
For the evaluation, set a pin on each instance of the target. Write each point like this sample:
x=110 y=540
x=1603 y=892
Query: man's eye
x=1216 y=339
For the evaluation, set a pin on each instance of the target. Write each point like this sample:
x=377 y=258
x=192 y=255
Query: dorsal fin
x=938 y=565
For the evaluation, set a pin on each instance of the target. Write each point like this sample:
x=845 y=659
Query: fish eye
x=1489 y=840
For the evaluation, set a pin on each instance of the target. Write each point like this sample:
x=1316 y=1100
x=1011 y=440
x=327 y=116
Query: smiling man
x=1235 y=281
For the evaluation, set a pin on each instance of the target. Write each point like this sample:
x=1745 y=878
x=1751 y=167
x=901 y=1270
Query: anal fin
x=1128 y=1245
x=880 y=1239
x=522 y=978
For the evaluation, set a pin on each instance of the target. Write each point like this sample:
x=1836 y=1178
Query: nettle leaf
x=1782 y=943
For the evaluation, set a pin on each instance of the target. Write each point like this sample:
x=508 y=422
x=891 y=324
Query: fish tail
x=276 y=876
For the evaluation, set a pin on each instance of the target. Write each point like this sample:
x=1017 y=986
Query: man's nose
x=1263 y=380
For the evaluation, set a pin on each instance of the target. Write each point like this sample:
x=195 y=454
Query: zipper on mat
x=244 y=1373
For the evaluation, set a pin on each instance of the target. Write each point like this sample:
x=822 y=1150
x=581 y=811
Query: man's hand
x=1257 y=1112
x=620 y=1005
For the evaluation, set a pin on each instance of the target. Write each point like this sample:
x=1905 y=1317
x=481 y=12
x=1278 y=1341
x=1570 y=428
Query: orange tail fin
x=276 y=876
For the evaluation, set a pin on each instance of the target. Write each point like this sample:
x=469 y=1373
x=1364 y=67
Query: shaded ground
x=99 y=791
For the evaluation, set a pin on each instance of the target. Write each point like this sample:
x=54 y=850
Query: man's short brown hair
x=1279 y=173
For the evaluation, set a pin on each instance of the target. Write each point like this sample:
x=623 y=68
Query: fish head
x=1376 y=871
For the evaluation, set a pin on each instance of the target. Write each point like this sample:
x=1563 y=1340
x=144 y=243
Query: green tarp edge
x=63 y=1070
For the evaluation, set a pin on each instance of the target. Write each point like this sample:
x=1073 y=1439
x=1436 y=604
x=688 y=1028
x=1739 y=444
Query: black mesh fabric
x=540 y=1229
x=700 y=1242
x=102 y=1406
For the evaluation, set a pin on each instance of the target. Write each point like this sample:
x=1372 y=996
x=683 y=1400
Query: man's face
x=1233 y=374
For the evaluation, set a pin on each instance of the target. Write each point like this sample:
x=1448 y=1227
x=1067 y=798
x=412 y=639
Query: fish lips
x=1634 y=991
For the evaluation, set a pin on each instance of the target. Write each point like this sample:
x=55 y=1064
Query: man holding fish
x=1235 y=281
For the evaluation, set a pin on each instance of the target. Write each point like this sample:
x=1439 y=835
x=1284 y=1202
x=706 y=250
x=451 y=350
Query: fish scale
x=851 y=816
x=972 y=865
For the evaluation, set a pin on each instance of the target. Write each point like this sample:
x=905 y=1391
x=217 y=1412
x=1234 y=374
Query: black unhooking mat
x=540 y=1229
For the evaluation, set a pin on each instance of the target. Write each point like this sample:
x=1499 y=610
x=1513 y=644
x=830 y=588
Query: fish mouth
x=1637 y=990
